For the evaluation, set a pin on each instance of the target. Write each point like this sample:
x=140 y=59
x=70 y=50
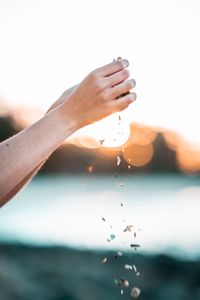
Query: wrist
x=66 y=123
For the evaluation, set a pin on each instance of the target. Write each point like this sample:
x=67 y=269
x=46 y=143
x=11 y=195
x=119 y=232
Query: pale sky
x=49 y=45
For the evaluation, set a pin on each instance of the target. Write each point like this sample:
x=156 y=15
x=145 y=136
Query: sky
x=50 y=45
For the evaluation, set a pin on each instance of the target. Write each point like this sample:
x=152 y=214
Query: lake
x=93 y=212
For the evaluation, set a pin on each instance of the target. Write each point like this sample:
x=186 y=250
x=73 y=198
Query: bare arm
x=25 y=180
x=94 y=99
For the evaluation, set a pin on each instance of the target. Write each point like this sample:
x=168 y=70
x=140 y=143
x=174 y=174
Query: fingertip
x=125 y=62
x=134 y=96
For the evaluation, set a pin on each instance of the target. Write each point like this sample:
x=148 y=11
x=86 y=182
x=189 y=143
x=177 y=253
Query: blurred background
x=65 y=236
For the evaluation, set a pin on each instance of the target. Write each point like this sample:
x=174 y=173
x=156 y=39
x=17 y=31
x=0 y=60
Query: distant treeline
x=72 y=159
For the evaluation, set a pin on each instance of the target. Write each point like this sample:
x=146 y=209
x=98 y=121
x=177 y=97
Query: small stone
x=126 y=283
x=101 y=141
x=134 y=268
x=118 y=160
x=128 y=267
x=90 y=169
x=104 y=260
x=135 y=292
x=116 y=281
x=112 y=236
x=128 y=228
x=119 y=253
x=134 y=246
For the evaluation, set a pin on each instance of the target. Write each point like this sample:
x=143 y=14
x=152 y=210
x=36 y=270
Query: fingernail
x=134 y=96
x=134 y=82
x=126 y=63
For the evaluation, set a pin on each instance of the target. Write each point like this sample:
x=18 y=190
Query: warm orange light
x=84 y=142
x=188 y=155
x=138 y=155
x=188 y=159
x=173 y=139
x=141 y=135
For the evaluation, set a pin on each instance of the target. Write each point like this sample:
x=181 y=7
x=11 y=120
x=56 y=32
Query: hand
x=98 y=95
x=63 y=98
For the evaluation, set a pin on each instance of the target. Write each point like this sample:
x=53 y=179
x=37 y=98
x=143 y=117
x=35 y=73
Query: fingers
x=113 y=67
x=124 y=102
x=123 y=88
x=118 y=77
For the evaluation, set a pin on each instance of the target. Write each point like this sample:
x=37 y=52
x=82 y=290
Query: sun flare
x=112 y=132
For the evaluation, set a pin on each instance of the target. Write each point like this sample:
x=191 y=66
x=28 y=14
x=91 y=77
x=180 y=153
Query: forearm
x=20 y=185
x=24 y=152
x=34 y=171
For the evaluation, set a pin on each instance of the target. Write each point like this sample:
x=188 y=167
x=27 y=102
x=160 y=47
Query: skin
x=95 y=98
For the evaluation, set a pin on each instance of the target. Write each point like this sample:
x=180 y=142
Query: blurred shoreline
x=55 y=273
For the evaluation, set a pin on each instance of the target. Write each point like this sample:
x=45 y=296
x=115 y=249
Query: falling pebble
x=90 y=169
x=134 y=268
x=129 y=167
x=121 y=184
x=135 y=292
x=122 y=292
x=134 y=234
x=120 y=118
x=103 y=219
x=116 y=281
x=101 y=141
x=104 y=260
x=128 y=228
x=118 y=160
x=122 y=204
x=123 y=281
x=138 y=274
x=126 y=283
x=116 y=175
x=108 y=240
x=128 y=267
x=112 y=236
x=119 y=253
x=134 y=245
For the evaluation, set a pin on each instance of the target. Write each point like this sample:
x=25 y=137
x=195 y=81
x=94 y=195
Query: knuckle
x=99 y=87
x=104 y=95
